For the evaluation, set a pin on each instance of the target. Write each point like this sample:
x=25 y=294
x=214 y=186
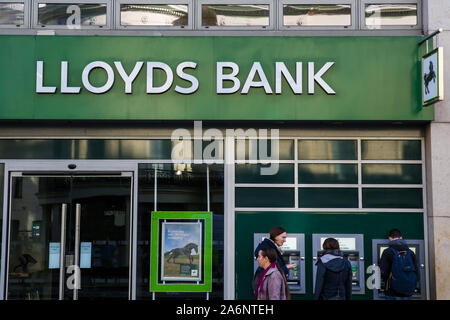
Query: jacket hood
x=398 y=244
x=333 y=260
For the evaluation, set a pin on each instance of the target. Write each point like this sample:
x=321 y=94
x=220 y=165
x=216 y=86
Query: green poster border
x=207 y=236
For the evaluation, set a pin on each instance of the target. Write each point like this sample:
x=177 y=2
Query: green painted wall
x=375 y=78
x=372 y=225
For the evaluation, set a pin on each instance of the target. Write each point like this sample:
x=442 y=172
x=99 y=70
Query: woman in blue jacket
x=276 y=241
x=334 y=274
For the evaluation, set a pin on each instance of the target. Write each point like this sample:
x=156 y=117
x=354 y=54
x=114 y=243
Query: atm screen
x=382 y=248
x=344 y=243
x=290 y=244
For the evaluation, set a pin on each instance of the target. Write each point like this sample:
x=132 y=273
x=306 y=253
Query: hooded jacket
x=387 y=259
x=334 y=277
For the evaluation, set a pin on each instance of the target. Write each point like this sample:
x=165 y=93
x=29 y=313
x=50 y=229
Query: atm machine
x=352 y=246
x=293 y=253
x=417 y=246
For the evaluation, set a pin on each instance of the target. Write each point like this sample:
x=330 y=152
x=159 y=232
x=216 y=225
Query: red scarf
x=261 y=278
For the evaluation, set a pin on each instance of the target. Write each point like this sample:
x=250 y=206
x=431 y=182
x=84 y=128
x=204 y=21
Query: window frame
x=270 y=3
x=353 y=17
x=26 y=15
x=117 y=14
x=362 y=15
x=109 y=16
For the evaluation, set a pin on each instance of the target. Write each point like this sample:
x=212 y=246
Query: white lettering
x=74 y=21
x=230 y=77
x=318 y=78
x=187 y=77
x=64 y=79
x=169 y=77
x=128 y=79
x=256 y=69
x=85 y=77
x=40 y=79
x=280 y=69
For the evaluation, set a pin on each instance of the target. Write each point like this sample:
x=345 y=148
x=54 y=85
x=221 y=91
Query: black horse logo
x=428 y=77
x=185 y=251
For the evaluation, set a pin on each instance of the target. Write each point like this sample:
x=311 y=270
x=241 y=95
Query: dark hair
x=395 y=233
x=330 y=244
x=276 y=231
x=269 y=253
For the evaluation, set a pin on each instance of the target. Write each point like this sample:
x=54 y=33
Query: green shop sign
x=210 y=78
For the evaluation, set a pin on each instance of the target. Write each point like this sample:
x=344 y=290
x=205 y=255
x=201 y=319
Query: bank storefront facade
x=100 y=133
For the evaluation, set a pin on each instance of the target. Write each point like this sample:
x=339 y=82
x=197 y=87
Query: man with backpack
x=399 y=269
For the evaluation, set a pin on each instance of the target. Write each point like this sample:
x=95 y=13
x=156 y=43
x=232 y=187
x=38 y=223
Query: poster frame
x=159 y=285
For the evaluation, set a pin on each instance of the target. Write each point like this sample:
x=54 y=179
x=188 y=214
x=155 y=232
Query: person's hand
x=291 y=266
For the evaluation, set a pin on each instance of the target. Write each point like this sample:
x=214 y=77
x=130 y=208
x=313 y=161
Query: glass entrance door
x=69 y=237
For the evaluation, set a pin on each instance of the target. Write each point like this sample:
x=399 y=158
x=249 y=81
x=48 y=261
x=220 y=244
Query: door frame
x=79 y=167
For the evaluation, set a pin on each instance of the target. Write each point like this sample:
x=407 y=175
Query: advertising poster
x=181 y=252
x=181 y=248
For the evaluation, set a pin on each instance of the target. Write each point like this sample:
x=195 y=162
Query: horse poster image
x=181 y=251
x=432 y=80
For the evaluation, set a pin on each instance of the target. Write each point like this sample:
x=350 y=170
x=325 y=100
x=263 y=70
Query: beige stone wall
x=438 y=163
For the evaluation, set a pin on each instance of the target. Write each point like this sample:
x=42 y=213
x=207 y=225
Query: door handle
x=62 y=250
x=77 y=251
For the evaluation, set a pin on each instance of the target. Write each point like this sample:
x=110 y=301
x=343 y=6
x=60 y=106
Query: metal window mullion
x=134 y=231
x=5 y=228
x=296 y=182
x=425 y=223
x=360 y=204
x=327 y=210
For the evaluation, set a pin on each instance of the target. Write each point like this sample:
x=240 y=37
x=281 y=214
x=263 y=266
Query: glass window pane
x=12 y=13
x=328 y=197
x=235 y=15
x=92 y=14
x=317 y=15
x=392 y=198
x=322 y=173
x=153 y=15
x=391 y=150
x=264 y=197
x=250 y=149
x=392 y=173
x=252 y=173
x=389 y=14
x=2 y=168
x=327 y=150
x=184 y=192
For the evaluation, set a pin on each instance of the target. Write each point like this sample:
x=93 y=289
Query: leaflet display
x=293 y=253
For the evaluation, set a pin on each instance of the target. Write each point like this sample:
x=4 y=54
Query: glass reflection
x=392 y=173
x=233 y=15
x=391 y=14
x=153 y=15
x=261 y=149
x=12 y=13
x=317 y=15
x=56 y=14
x=327 y=173
x=391 y=150
x=327 y=150
x=180 y=187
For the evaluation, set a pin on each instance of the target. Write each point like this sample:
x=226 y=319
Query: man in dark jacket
x=395 y=241
x=334 y=274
